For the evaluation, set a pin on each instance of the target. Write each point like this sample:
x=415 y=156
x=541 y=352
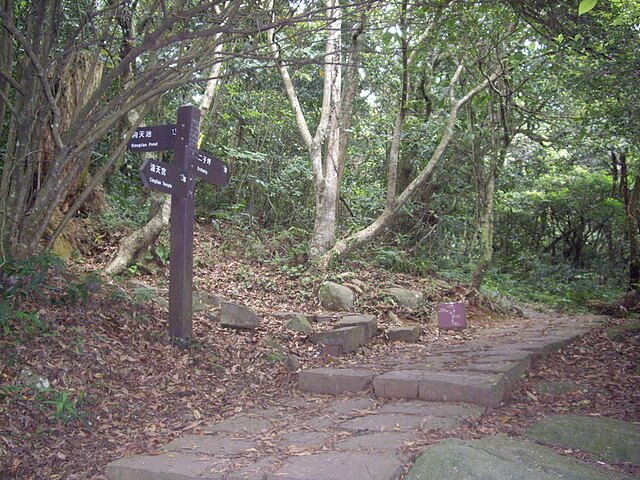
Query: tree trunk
x=395 y=203
x=327 y=147
x=141 y=239
x=631 y=198
x=144 y=237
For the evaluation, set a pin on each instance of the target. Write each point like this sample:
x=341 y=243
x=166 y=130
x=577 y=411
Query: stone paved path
x=363 y=433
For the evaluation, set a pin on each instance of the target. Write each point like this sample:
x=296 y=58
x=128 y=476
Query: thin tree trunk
x=394 y=204
x=329 y=136
x=144 y=237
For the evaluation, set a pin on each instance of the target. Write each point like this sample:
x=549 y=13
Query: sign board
x=210 y=168
x=177 y=180
x=153 y=139
x=165 y=178
x=451 y=316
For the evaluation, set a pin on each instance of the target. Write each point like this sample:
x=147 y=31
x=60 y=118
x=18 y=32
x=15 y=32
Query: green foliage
x=64 y=406
x=559 y=285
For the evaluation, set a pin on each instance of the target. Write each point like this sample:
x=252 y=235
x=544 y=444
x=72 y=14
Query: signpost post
x=177 y=179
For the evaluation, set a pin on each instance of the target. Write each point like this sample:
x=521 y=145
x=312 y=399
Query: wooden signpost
x=177 y=179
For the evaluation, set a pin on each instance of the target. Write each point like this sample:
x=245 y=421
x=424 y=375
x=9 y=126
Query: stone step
x=333 y=381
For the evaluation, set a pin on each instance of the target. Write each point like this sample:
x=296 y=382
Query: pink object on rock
x=451 y=316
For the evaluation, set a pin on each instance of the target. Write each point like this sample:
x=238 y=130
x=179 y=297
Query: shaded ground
x=119 y=388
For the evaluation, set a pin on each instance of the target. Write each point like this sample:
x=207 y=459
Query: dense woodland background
x=495 y=142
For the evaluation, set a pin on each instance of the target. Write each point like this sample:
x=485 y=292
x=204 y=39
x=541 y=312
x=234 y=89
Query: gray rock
x=298 y=322
x=347 y=338
x=368 y=322
x=607 y=439
x=212 y=299
x=233 y=315
x=500 y=458
x=33 y=380
x=404 y=334
x=404 y=297
x=292 y=363
x=197 y=303
x=336 y=297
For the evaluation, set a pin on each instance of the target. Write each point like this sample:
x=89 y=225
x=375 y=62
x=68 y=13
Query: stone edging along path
x=362 y=434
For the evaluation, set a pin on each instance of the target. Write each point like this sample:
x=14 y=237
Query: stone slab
x=500 y=458
x=210 y=445
x=445 y=410
x=511 y=370
x=368 y=322
x=404 y=334
x=397 y=384
x=254 y=471
x=351 y=406
x=376 y=441
x=170 y=466
x=240 y=424
x=332 y=381
x=480 y=389
x=399 y=422
x=340 y=466
x=607 y=439
x=347 y=338
x=304 y=439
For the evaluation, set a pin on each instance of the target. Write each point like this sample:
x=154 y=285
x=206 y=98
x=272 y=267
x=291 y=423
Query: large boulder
x=336 y=297
x=404 y=297
x=501 y=458
x=234 y=315
x=607 y=439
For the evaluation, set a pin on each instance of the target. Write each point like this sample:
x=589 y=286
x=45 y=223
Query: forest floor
x=118 y=387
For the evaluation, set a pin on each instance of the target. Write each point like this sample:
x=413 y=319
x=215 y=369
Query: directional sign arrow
x=152 y=139
x=166 y=178
x=210 y=168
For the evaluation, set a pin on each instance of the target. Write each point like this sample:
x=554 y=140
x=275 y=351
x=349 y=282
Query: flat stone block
x=486 y=390
x=340 y=466
x=170 y=466
x=304 y=439
x=241 y=424
x=210 y=445
x=438 y=409
x=511 y=370
x=404 y=334
x=333 y=380
x=398 y=422
x=376 y=441
x=498 y=355
x=398 y=384
x=348 y=338
x=255 y=471
x=368 y=322
x=351 y=406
